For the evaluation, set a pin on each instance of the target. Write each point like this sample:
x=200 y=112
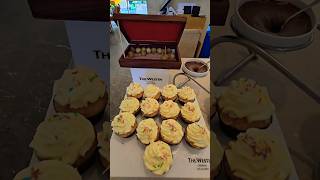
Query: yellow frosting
x=258 y=155
x=78 y=87
x=171 y=131
x=134 y=89
x=149 y=106
x=191 y=112
x=63 y=136
x=216 y=150
x=246 y=99
x=104 y=140
x=129 y=104
x=186 y=93
x=158 y=157
x=169 y=91
x=147 y=131
x=123 y=123
x=169 y=109
x=198 y=135
x=151 y=91
x=48 y=170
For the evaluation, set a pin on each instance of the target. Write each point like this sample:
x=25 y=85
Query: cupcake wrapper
x=188 y=121
x=83 y=162
x=231 y=131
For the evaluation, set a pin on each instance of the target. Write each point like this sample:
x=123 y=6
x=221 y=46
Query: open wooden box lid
x=148 y=29
x=157 y=31
x=84 y=10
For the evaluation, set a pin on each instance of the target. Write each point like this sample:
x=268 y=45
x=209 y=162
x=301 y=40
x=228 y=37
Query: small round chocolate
x=153 y=50
x=168 y=50
x=159 y=50
x=148 y=50
x=132 y=49
x=138 y=50
x=143 y=49
x=130 y=54
x=143 y=53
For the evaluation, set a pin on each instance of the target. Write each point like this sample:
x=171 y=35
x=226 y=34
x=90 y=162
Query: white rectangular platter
x=274 y=129
x=126 y=156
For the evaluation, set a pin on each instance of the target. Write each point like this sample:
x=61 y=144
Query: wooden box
x=151 y=31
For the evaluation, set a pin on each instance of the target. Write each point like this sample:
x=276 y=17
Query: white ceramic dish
x=192 y=73
x=271 y=40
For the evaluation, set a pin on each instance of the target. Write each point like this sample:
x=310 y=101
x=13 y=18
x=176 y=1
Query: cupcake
x=186 y=94
x=147 y=131
x=130 y=104
x=74 y=92
x=257 y=155
x=152 y=91
x=135 y=90
x=48 y=170
x=197 y=136
x=169 y=110
x=104 y=145
x=124 y=124
x=169 y=92
x=216 y=154
x=190 y=112
x=68 y=137
x=149 y=107
x=244 y=105
x=158 y=157
x=171 y=131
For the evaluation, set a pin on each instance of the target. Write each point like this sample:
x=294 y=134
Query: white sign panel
x=158 y=77
x=89 y=42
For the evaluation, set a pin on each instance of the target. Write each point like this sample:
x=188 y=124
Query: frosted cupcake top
x=169 y=109
x=191 y=112
x=171 y=130
x=134 y=89
x=151 y=91
x=169 y=91
x=147 y=131
x=78 y=87
x=158 y=157
x=129 y=104
x=198 y=135
x=261 y=149
x=63 y=136
x=149 y=106
x=48 y=170
x=246 y=99
x=123 y=123
x=186 y=93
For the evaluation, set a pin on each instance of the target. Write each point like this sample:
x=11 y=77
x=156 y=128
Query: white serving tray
x=126 y=157
x=274 y=129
